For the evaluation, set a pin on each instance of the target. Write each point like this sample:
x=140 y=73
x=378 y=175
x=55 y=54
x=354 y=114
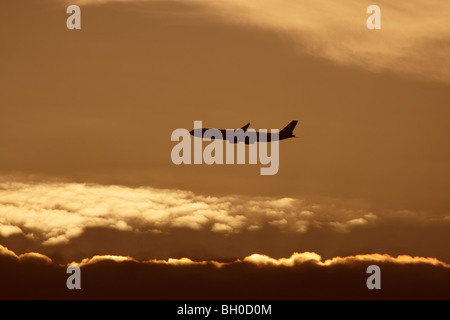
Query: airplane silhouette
x=242 y=135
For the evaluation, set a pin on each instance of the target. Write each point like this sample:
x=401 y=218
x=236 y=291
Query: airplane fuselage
x=236 y=136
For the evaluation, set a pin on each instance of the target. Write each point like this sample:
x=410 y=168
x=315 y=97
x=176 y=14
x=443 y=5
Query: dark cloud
x=303 y=276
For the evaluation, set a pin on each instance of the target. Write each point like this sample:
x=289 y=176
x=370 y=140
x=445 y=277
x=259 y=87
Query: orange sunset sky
x=86 y=176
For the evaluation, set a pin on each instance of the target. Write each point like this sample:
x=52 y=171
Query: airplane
x=242 y=135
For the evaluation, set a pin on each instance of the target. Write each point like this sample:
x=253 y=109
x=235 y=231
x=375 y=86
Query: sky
x=86 y=176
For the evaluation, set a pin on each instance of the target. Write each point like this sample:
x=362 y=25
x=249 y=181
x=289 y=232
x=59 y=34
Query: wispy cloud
x=414 y=38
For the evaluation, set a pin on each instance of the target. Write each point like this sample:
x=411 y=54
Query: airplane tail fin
x=289 y=129
x=244 y=128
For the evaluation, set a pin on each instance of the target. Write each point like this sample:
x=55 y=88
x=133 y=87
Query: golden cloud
x=401 y=259
x=295 y=259
x=100 y=258
x=54 y=213
x=26 y=256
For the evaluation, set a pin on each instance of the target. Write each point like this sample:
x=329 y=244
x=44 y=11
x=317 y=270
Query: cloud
x=24 y=257
x=7 y=230
x=301 y=276
x=300 y=258
x=295 y=259
x=385 y=258
x=413 y=40
x=100 y=258
x=54 y=213
x=347 y=225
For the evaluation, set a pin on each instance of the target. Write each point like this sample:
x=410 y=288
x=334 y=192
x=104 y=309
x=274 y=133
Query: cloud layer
x=301 y=276
x=54 y=213
x=295 y=259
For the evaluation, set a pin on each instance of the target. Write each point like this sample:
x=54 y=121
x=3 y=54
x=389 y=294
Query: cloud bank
x=256 y=259
x=301 y=276
x=55 y=213
x=295 y=259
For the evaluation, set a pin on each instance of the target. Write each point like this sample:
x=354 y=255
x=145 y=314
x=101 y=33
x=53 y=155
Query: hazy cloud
x=413 y=40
